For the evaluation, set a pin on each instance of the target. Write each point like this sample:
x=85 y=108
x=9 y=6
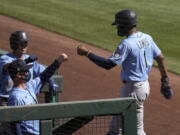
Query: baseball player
x=24 y=90
x=19 y=45
x=135 y=54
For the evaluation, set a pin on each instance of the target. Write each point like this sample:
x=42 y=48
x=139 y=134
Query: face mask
x=122 y=30
x=26 y=76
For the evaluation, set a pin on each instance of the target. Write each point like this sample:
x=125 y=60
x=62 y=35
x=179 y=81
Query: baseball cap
x=18 y=66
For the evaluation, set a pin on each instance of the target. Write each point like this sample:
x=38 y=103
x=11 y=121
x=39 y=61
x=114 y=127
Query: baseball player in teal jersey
x=19 y=45
x=135 y=54
x=25 y=89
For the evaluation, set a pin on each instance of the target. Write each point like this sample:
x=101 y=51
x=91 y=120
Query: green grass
x=90 y=21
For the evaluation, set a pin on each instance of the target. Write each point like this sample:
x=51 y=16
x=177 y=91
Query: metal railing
x=77 y=110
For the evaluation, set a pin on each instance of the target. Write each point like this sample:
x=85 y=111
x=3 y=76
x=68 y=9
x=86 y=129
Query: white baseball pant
x=140 y=91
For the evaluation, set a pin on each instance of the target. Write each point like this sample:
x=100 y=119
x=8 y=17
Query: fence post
x=46 y=127
x=51 y=97
x=130 y=120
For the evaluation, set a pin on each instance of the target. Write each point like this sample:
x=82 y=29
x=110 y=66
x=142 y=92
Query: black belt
x=3 y=99
x=26 y=133
x=124 y=81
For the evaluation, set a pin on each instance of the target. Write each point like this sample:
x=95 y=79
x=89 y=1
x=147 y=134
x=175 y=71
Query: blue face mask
x=27 y=76
x=122 y=30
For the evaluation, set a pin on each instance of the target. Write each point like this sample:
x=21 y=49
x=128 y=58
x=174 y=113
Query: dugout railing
x=80 y=113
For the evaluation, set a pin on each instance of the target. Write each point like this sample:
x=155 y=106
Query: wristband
x=88 y=53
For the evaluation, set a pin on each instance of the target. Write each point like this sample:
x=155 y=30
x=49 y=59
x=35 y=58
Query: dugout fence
x=75 y=118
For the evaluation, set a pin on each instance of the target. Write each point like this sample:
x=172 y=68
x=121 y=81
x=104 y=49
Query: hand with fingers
x=82 y=50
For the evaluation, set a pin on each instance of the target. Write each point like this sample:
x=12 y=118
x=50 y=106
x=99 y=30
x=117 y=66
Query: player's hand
x=165 y=88
x=63 y=57
x=31 y=58
x=82 y=50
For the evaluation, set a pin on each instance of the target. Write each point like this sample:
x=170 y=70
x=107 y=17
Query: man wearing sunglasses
x=19 y=44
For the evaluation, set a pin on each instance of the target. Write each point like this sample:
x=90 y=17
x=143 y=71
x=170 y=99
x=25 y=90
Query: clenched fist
x=63 y=57
x=82 y=50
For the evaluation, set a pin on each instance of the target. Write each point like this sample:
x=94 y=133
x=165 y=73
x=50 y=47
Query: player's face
x=122 y=30
x=23 y=76
x=22 y=48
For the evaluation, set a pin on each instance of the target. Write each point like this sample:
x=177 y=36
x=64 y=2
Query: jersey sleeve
x=1 y=65
x=120 y=54
x=3 y=61
x=37 y=69
x=156 y=50
x=101 y=61
x=35 y=85
x=4 y=78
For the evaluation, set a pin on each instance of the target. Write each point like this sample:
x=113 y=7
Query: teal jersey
x=136 y=54
x=21 y=97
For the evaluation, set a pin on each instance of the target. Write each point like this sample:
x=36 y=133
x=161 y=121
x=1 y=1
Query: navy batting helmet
x=126 y=18
x=16 y=38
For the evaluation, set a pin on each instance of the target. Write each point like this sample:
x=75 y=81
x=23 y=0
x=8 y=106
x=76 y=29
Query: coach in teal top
x=24 y=90
x=135 y=54
x=20 y=97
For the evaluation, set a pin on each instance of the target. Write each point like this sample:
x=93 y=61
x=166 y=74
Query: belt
x=26 y=133
x=3 y=101
x=124 y=81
